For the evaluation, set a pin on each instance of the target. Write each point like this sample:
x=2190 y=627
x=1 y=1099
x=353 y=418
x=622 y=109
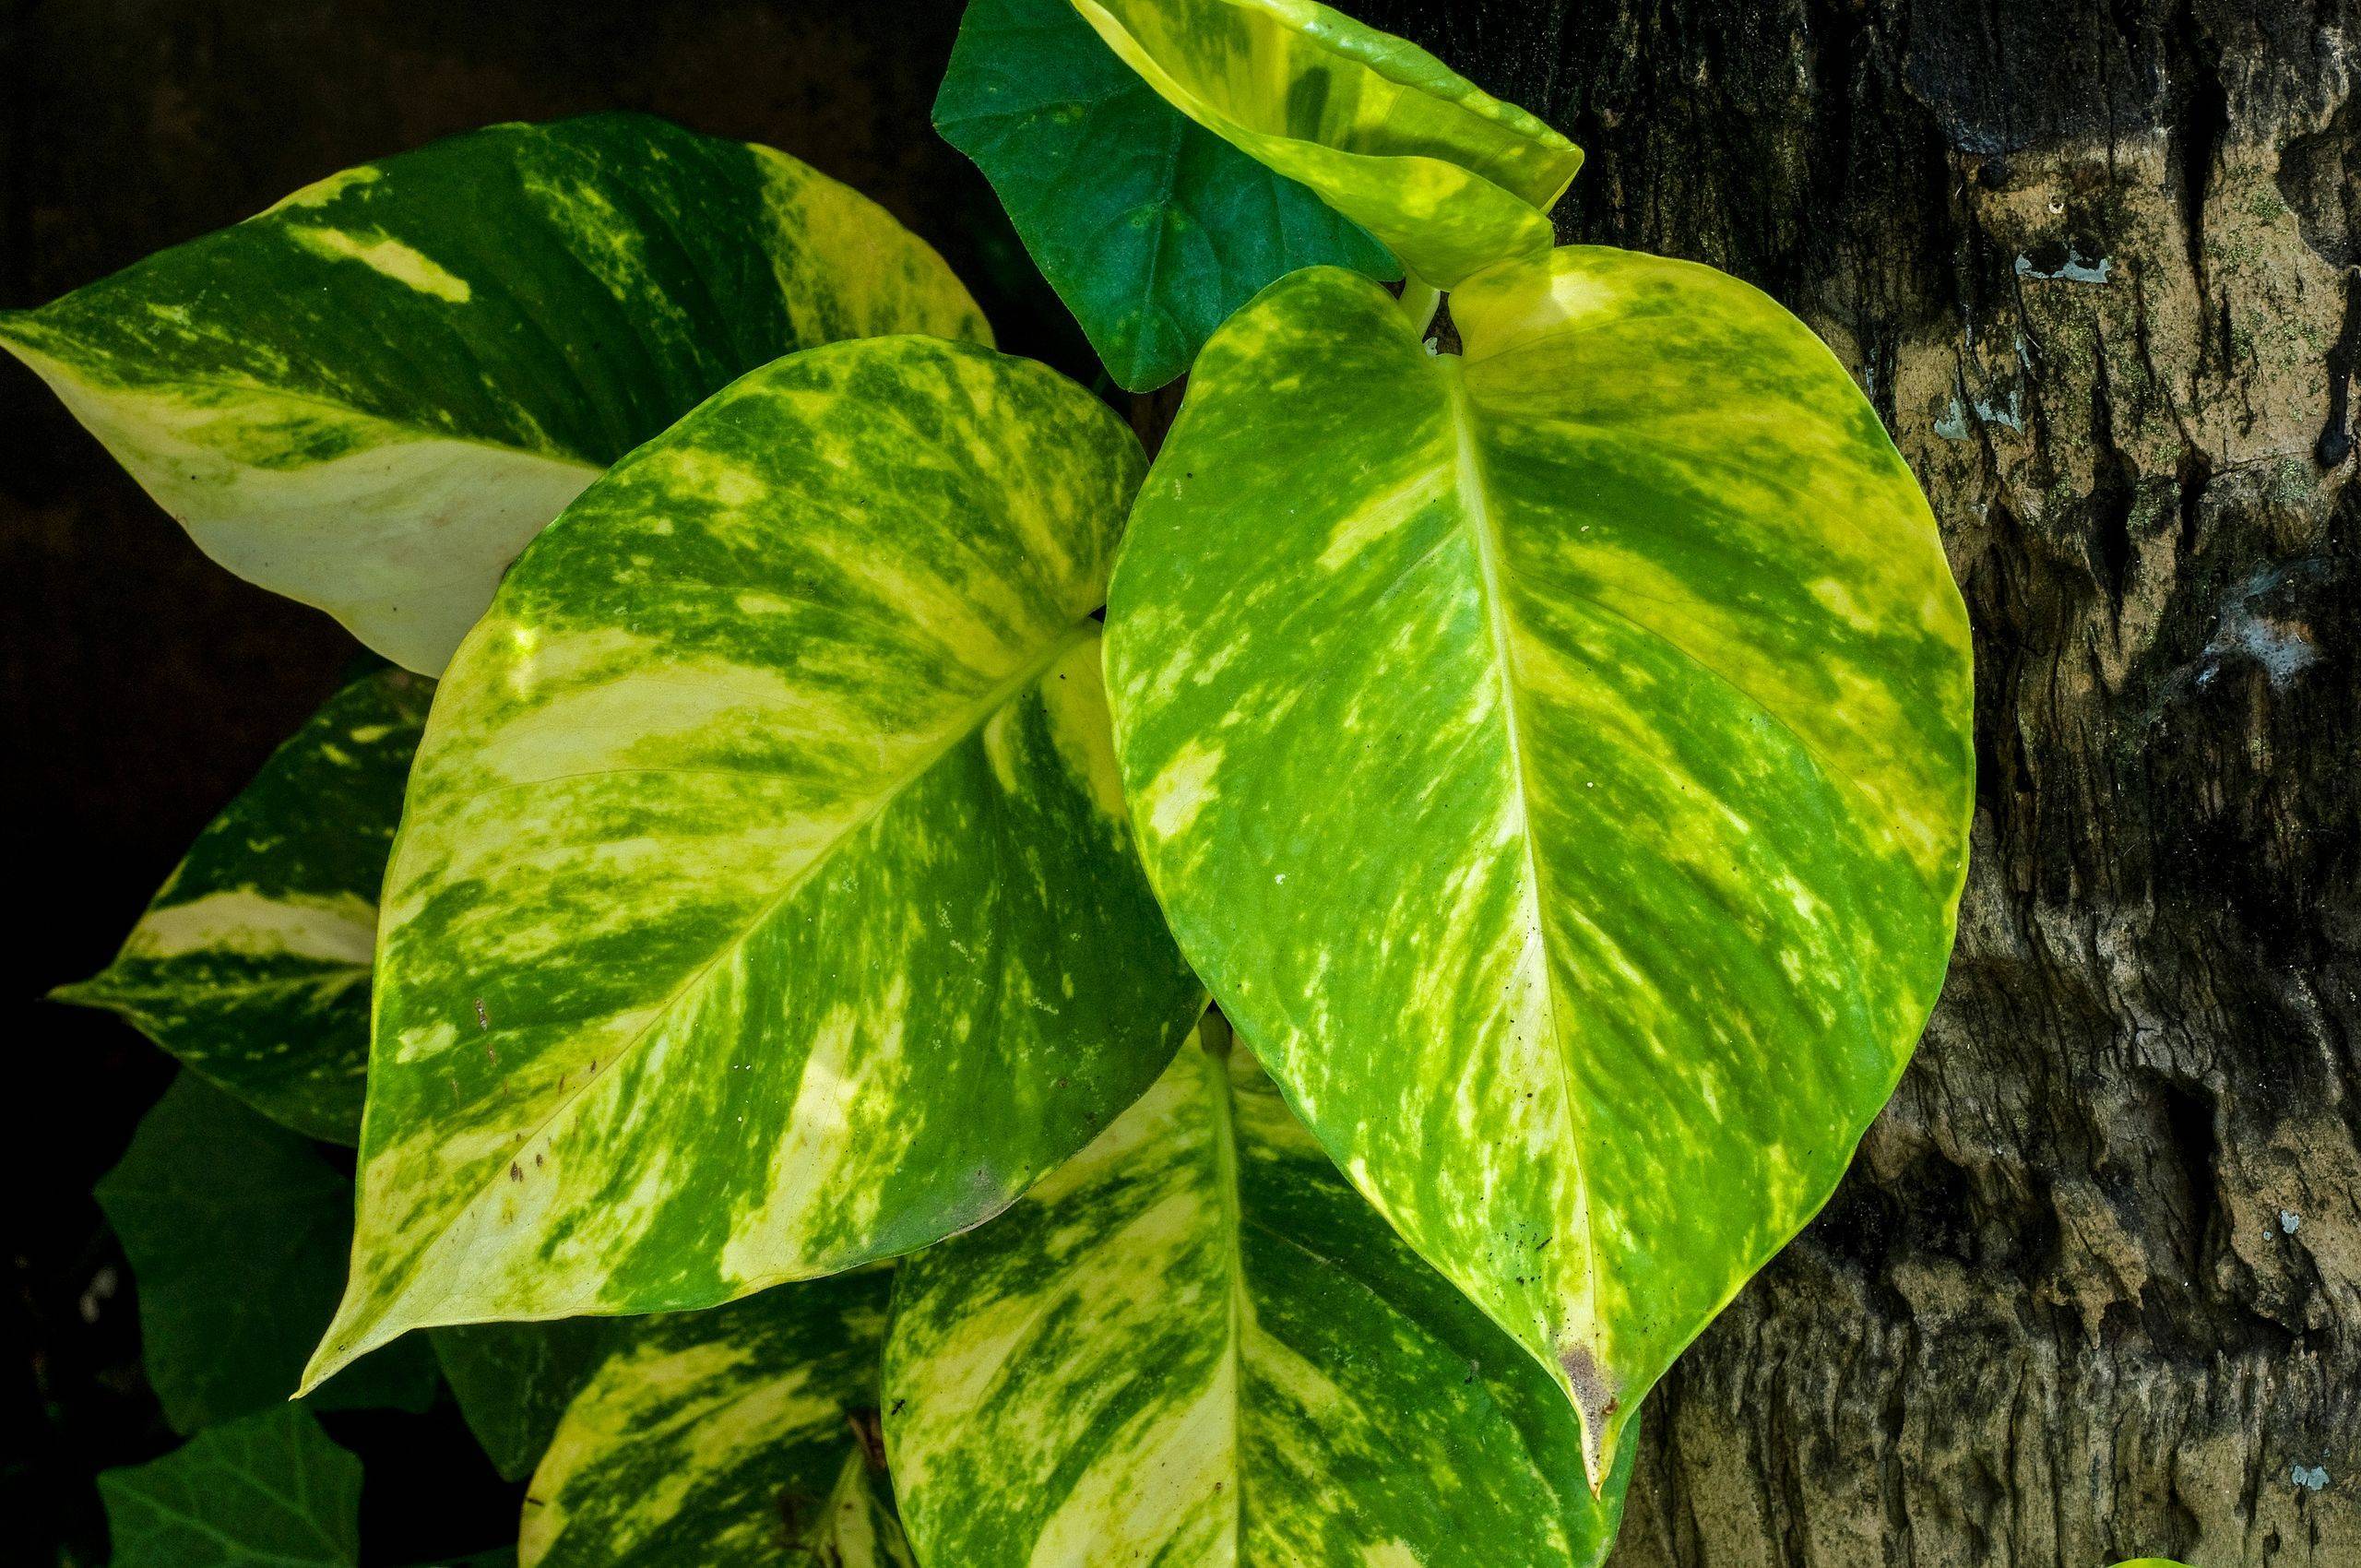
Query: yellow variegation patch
x=745 y=1434
x=1449 y=177
x=370 y=397
x=1558 y=762
x=1196 y=1344
x=763 y=903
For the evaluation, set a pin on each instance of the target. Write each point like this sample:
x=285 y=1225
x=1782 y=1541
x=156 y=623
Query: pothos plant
x=827 y=772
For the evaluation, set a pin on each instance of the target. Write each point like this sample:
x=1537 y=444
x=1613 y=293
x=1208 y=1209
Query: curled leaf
x=1450 y=178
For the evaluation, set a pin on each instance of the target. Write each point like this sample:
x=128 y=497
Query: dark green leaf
x=1151 y=229
x=513 y=1379
x=237 y=1233
x=270 y=1492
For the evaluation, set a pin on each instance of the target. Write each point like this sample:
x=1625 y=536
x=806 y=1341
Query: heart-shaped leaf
x=1195 y=1343
x=744 y=1434
x=763 y=903
x=1151 y=229
x=252 y=964
x=1446 y=176
x=370 y=396
x=237 y=1231
x=269 y=1491
x=1558 y=764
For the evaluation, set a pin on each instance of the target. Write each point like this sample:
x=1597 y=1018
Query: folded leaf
x=269 y=1491
x=744 y=1434
x=1558 y=764
x=763 y=903
x=252 y=964
x=513 y=1381
x=1195 y=1343
x=1448 y=176
x=1151 y=229
x=371 y=396
x=236 y=1231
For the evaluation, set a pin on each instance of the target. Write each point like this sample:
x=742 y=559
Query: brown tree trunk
x=2094 y=1287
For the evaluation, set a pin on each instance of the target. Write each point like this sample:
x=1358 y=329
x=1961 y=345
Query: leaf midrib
x=1484 y=533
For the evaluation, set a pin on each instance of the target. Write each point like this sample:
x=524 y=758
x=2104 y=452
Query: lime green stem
x=1419 y=301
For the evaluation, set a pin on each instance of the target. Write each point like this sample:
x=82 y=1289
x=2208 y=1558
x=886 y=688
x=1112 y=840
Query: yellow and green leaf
x=252 y=964
x=744 y=1434
x=1447 y=176
x=1557 y=762
x=370 y=396
x=765 y=903
x=1195 y=1343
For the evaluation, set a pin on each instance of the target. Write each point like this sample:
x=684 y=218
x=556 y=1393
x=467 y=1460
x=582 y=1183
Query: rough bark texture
x=2094 y=1287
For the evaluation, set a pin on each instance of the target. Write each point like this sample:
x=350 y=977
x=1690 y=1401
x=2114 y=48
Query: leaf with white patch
x=1443 y=173
x=765 y=903
x=1557 y=760
x=743 y=1434
x=252 y=964
x=1195 y=1343
x=370 y=396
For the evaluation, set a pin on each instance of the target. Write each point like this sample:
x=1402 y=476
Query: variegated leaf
x=1446 y=176
x=1558 y=763
x=763 y=903
x=1196 y=1344
x=743 y=1435
x=252 y=964
x=371 y=396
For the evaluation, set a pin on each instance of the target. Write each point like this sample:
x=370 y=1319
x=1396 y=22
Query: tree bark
x=2093 y=1290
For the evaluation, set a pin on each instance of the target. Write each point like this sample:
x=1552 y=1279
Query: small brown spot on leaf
x=515 y=1171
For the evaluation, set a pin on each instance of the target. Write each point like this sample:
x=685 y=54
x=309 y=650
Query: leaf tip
x=353 y=1334
x=1599 y=1403
x=90 y=992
